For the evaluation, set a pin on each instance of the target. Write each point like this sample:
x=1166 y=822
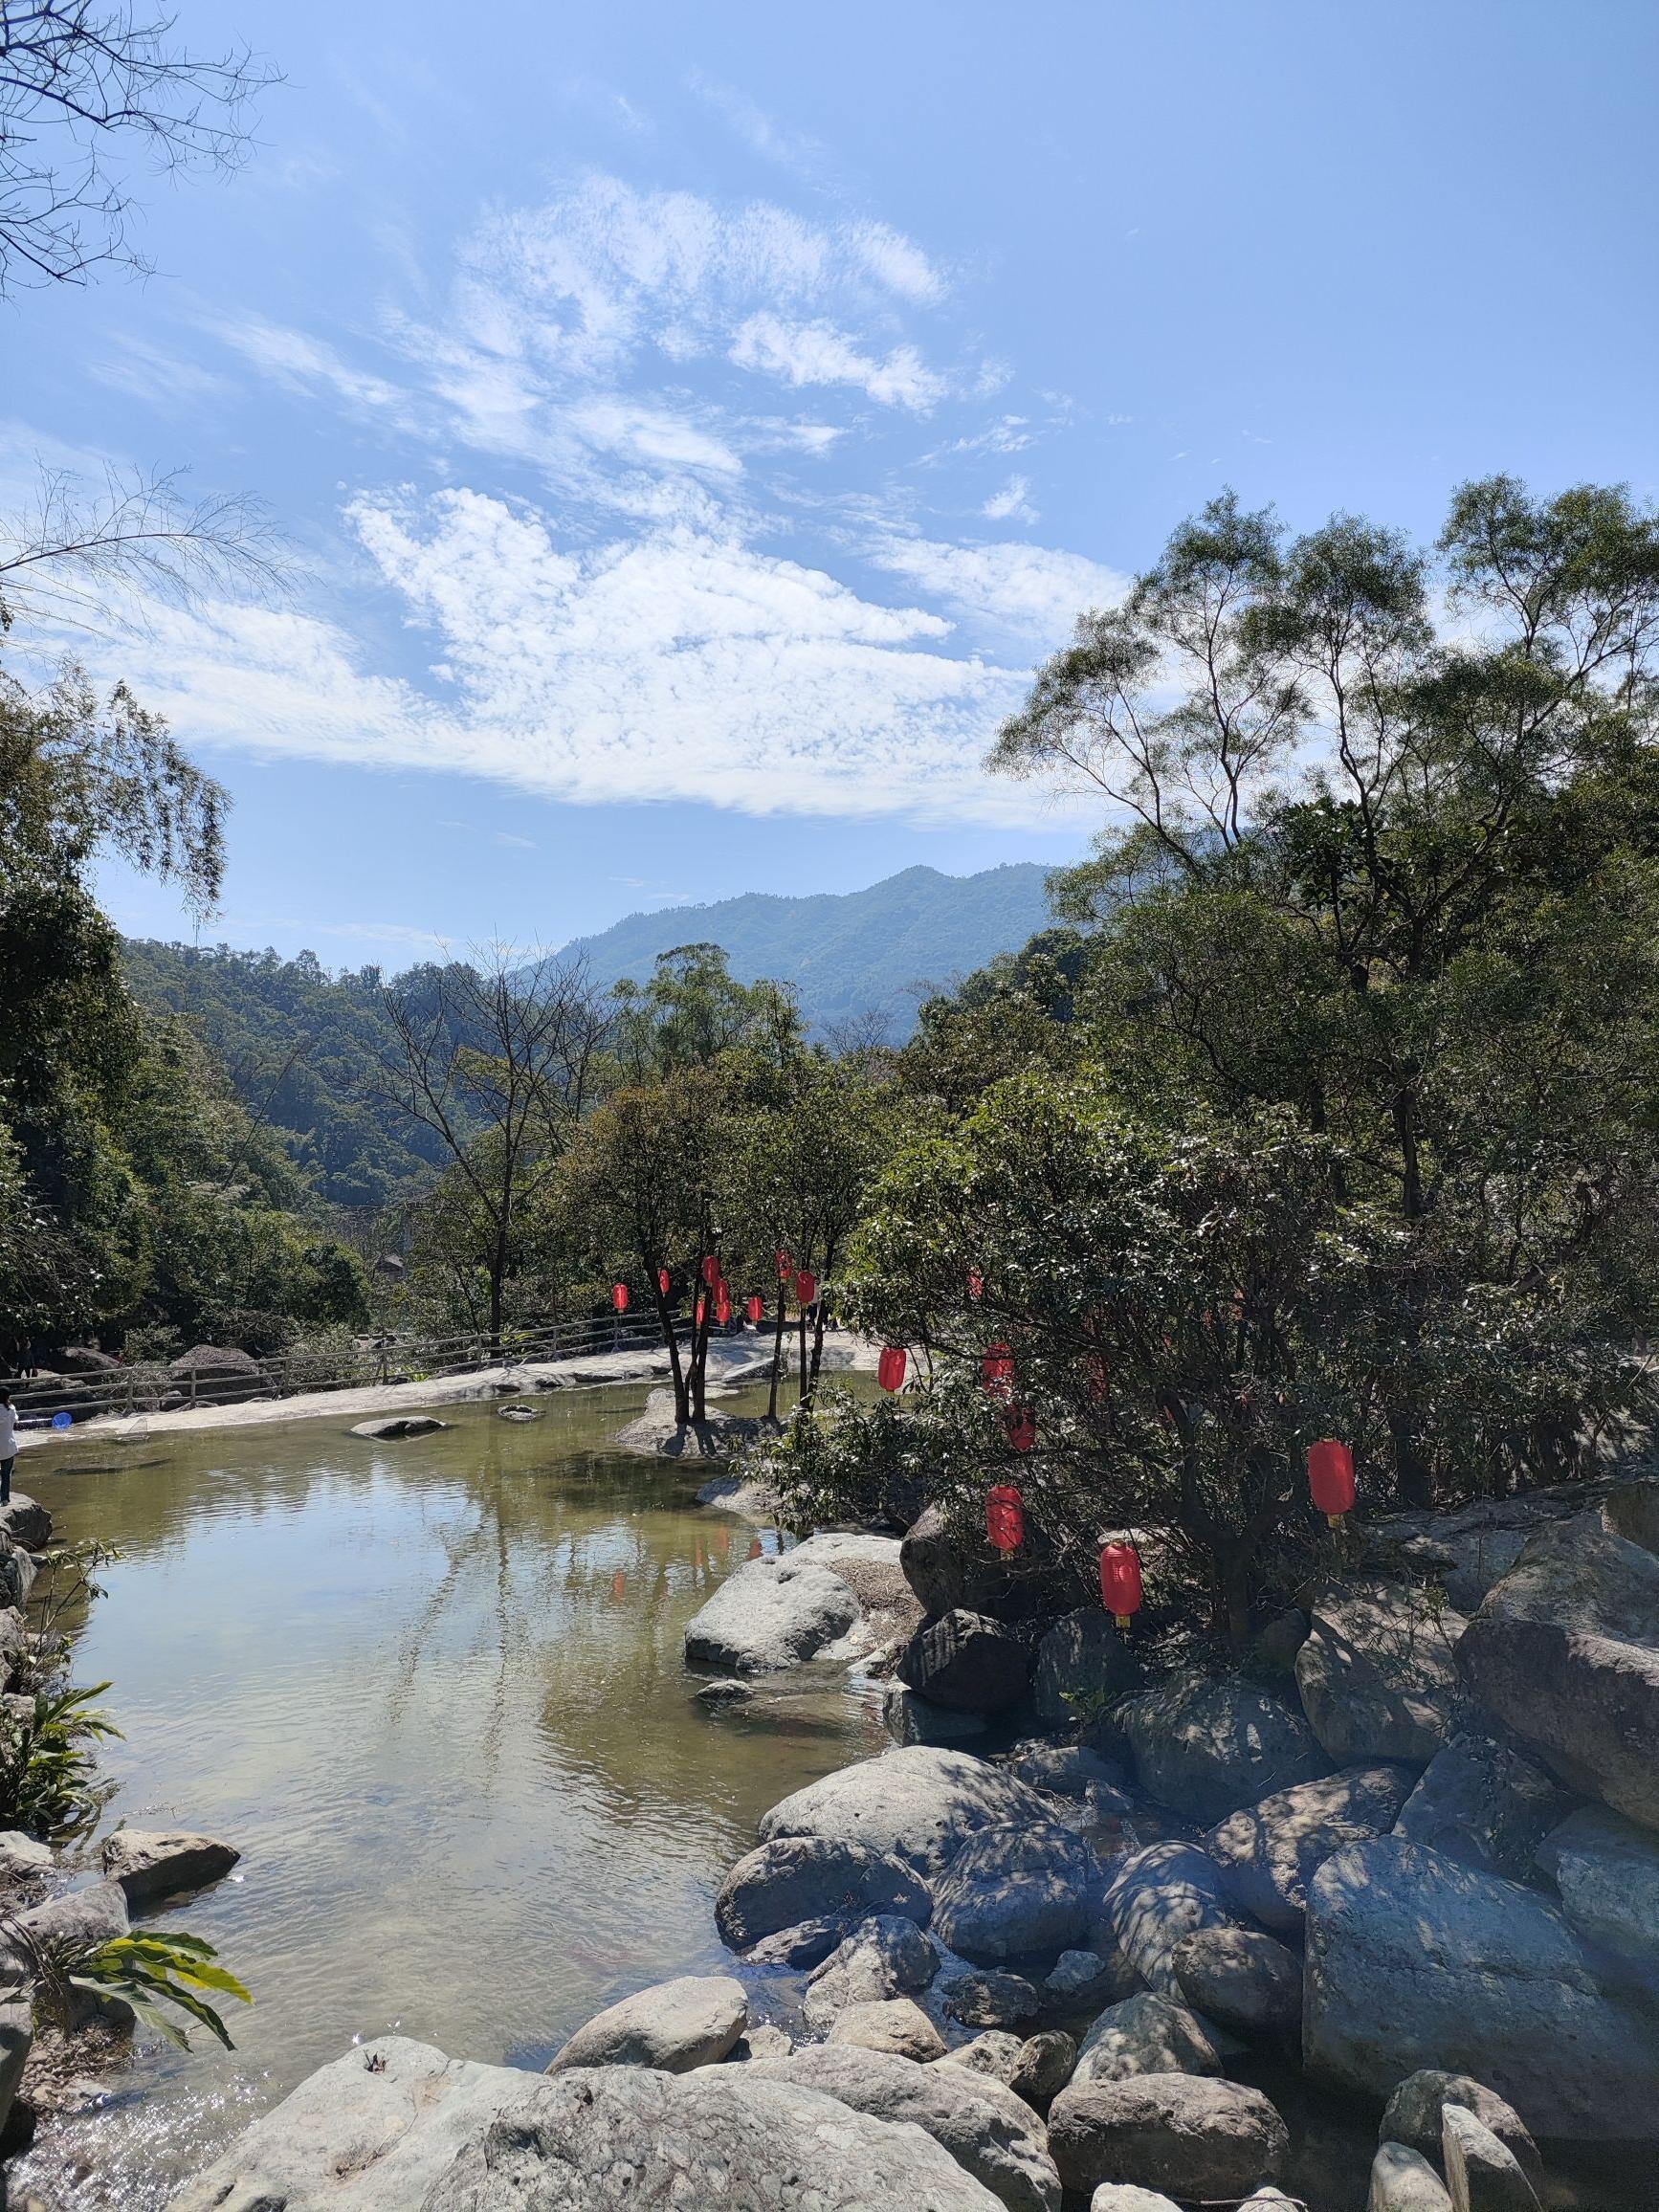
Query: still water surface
x=434 y=1690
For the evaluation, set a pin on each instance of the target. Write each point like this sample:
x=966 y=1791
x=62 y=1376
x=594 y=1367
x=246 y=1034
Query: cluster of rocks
x=1028 y=1968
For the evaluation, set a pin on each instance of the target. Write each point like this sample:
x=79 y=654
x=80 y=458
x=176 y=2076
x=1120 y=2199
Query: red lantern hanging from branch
x=619 y=1296
x=890 y=1367
x=1331 y=1478
x=997 y=1370
x=662 y=1280
x=723 y=1305
x=976 y=1283
x=1020 y=1424
x=711 y=1271
x=1121 y=1583
x=806 y=1287
x=1005 y=1517
x=757 y=1309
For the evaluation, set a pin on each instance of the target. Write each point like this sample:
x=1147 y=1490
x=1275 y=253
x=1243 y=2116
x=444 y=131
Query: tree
x=497 y=1063
x=81 y=81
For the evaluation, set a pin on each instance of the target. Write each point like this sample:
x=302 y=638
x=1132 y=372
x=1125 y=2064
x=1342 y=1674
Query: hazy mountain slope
x=849 y=952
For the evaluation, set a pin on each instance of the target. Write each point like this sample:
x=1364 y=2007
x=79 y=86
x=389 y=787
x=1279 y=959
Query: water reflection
x=433 y=1689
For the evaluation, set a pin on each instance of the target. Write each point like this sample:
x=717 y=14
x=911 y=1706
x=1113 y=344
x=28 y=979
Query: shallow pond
x=434 y=1690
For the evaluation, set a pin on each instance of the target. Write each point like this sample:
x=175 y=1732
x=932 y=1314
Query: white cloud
x=1028 y=588
x=817 y=353
x=300 y=361
x=1010 y=504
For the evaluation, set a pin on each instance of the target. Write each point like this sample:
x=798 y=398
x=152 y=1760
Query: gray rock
x=1066 y=1770
x=372 y=2132
x=219 y=1374
x=1124 y=2196
x=16 y=2041
x=26 y=1522
x=673 y=2026
x=724 y=1690
x=1045 y=2064
x=770 y=1614
x=392 y=1427
x=1377 y=1675
x=1565 y=1651
x=617 y=2140
x=1413 y=2116
x=765 y=2040
x=1269 y=1853
x=1020 y=1891
x=988 y=2130
x=23 y=1858
x=1608 y=1871
x=1084 y=1982
x=16 y=1574
x=1271 y=2200
x=942 y=1572
x=796 y=1878
x=989 y=1999
x=1402 y=2180
x=1243 y=1978
x=1480 y=2173
x=869 y=1566
x=152 y=1864
x=1156 y=1897
x=896 y=2025
x=809 y=1943
x=517 y=1413
x=913 y=1720
x=1209 y=1745
x=881 y=1958
x=995 y=2053
x=1416 y=1961
x=86 y=1916
x=917 y=1802
x=1081 y=1661
x=1146 y=2035
x=1484 y=1803
x=968 y=1662
x=1174 y=2131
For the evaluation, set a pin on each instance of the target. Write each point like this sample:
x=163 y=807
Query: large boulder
x=1414 y=2113
x=1191 y=2138
x=1085 y=1982
x=1269 y=1853
x=1018 y=1892
x=624 y=2140
x=895 y=2024
x=880 y=1959
x=986 y=2129
x=1208 y=1745
x=1157 y=1896
x=769 y=1614
x=1081 y=1663
x=968 y=1662
x=1067 y=1769
x=995 y=2054
x=1565 y=1651
x=673 y=2026
x=1481 y=2175
x=916 y=1802
x=1045 y=2064
x=218 y=1375
x=1124 y=2196
x=152 y=1864
x=869 y=1566
x=798 y=1878
x=1485 y=1802
x=1608 y=1871
x=16 y=1575
x=989 y=1999
x=394 y=1427
x=1144 y=2035
x=372 y=2132
x=948 y=1572
x=26 y=1524
x=1241 y=1977
x=1416 y=1961
x=1377 y=1675
x=1402 y=2180
x=913 y=1720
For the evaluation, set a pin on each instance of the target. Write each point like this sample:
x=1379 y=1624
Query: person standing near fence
x=7 y=1445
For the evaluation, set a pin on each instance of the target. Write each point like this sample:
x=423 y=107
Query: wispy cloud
x=817 y=353
x=1010 y=504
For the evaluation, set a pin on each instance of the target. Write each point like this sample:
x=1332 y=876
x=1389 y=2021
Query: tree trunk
x=777 y=1355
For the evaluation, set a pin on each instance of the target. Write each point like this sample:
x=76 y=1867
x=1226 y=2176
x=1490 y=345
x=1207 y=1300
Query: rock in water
x=1565 y=1651
x=150 y=1864
x=1415 y=1960
x=895 y=2024
x=771 y=1614
x=392 y=1427
x=371 y=2133
x=880 y=1959
x=673 y=2026
x=1191 y=2137
x=1414 y=2116
x=1481 y=2175
x=915 y=1801
x=913 y=1720
x=988 y=2130
x=617 y=2140
x=1270 y=1853
x=798 y=1878
x=1156 y=1897
x=989 y=1999
x=1146 y=2035
x=1376 y=1674
x=28 y=1525
x=968 y=1662
x=1482 y=1802
x=1607 y=1872
x=1209 y=1746
x=1018 y=1892
x=1402 y=2180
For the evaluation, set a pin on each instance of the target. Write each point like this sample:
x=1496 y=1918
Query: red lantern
x=785 y=1265
x=723 y=1305
x=755 y=1309
x=805 y=1288
x=997 y=1370
x=711 y=1271
x=662 y=1280
x=702 y=1308
x=619 y=1296
x=1021 y=1426
x=976 y=1283
x=1120 y=1581
x=1331 y=1478
x=889 y=1368
x=1005 y=1517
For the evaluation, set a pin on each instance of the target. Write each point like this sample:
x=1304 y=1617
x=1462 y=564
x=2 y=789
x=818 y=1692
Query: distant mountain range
x=849 y=953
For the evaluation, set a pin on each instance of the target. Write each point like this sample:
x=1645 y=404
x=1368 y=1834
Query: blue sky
x=690 y=424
